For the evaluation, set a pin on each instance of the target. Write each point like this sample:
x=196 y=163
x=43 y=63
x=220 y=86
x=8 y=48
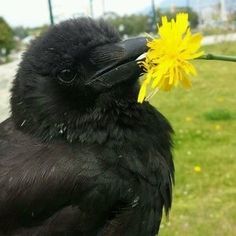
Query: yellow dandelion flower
x=188 y=118
x=167 y=60
x=197 y=169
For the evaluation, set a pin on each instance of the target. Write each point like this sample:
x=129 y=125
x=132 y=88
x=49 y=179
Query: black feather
x=74 y=161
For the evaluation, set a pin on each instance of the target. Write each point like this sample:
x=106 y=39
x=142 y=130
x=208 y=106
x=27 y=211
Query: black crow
x=79 y=155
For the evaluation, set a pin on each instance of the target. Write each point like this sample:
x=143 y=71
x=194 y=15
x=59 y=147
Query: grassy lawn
x=205 y=136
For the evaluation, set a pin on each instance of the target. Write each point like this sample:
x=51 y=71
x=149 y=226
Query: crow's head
x=69 y=72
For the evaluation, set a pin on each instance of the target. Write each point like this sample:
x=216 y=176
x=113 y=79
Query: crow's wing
x=37 y=180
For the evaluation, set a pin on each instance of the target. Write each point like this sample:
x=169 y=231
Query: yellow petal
x=142 y=92
x=182 y=22
x=167 y=61
x=185 y=82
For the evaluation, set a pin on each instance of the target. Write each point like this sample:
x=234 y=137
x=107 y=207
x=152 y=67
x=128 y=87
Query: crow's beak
x=121 y=64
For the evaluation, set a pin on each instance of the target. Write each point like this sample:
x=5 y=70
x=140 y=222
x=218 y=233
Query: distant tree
x=139 y=23
x=232 y=16
x=6 y=38
x=36 y=31
x=21 y=32
x=129 y=24
x=110 y=15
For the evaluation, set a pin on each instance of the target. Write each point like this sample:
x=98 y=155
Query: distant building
x=211 y=12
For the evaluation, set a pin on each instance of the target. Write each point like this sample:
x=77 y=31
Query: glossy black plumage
x=75 y=160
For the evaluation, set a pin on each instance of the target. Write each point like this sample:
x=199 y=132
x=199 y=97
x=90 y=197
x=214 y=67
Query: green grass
x=218 y=114
x=205 y=135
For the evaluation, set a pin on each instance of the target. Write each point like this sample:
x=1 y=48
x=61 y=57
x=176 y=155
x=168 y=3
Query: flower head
x=197 y=169
x=167 y=60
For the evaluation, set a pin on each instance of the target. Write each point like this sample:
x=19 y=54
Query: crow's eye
x=67 y=76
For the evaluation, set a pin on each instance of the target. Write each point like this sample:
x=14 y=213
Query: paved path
x=219 y=38
x=8 y=71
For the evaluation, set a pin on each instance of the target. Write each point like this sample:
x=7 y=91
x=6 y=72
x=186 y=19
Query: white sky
x=35 y=12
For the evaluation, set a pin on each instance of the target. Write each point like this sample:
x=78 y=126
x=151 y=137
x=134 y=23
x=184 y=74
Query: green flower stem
x=210 y=56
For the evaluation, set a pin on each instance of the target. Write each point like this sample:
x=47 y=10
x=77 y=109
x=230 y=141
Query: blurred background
x=203 y=117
